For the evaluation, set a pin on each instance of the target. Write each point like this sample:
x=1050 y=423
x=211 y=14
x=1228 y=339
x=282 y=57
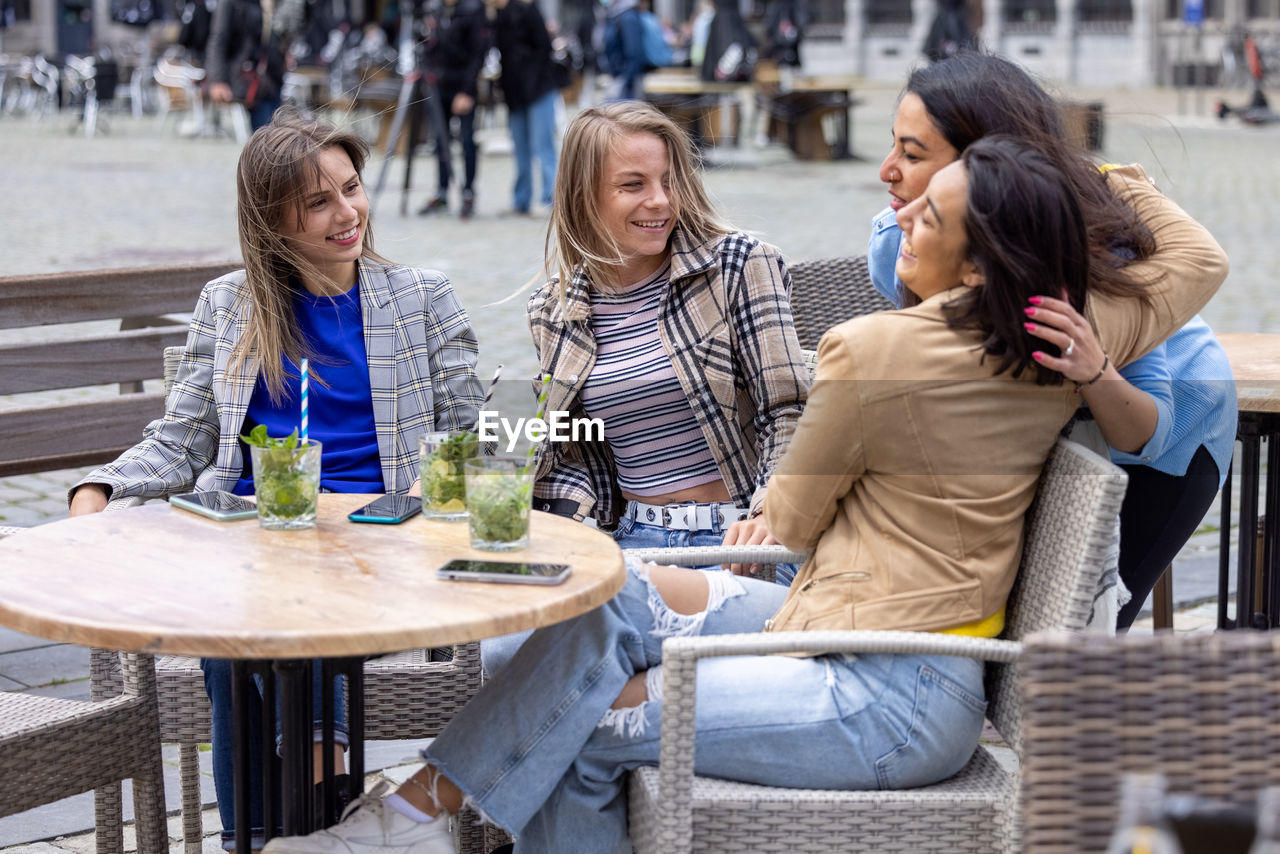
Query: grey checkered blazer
x=422 y=358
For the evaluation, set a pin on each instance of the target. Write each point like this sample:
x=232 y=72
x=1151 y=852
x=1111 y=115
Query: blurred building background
x=1129 y=43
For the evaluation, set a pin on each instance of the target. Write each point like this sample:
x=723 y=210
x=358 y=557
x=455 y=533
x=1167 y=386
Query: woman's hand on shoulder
x=748 y=532
x=1056 y=322
x=1126 y=415
x=89 y=498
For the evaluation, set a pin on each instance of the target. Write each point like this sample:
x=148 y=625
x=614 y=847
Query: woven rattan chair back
x=1069 y=528
x=828 y=291
x=1201 y=709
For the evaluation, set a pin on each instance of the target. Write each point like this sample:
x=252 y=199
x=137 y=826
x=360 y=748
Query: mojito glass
x=499 y=495
x=440 y=459
x=287 y=484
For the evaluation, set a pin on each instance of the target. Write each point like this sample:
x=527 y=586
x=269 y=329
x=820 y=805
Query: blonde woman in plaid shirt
x=671 y=327
x=392 y=353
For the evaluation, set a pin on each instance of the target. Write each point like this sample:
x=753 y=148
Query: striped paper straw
x=542 y=411
x=306 y=383
x=493 y=383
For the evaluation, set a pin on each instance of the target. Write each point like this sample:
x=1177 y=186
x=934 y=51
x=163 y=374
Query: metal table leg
x=287 y=787
x=1246 y=562
x=1257 y=577
x=241 y=684
x=270 y=762
x=296 y=752
x=1224 y=553
x=1270 y=427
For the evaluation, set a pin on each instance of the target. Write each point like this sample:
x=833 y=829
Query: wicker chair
x=1201 y=709
x=56 y=748
x=829 y=291
x=408 y=695
x=1068 y=529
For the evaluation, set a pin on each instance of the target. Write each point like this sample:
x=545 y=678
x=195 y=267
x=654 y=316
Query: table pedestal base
x=287 y=789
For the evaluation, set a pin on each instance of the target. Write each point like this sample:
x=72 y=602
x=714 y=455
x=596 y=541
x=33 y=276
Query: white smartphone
x=504 y=572
x=219 y=505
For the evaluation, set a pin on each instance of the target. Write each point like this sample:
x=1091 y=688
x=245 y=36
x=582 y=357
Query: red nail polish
x=1030 y=327
x=1029 y=312
x=1035 y=300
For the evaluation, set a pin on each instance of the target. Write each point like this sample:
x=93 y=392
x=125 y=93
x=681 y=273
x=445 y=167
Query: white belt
x=685 y=517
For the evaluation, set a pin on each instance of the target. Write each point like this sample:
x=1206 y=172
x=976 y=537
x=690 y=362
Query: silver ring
x=1071 y=346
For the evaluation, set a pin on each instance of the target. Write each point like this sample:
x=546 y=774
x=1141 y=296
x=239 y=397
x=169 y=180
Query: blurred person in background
x=528 y=87
x=624 y=49
x=246 y=55
x=455 y=39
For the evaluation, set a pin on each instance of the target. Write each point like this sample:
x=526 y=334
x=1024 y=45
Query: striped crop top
x=657 y=444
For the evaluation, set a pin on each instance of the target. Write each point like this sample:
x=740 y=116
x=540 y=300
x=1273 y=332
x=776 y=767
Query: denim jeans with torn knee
x=540 y=751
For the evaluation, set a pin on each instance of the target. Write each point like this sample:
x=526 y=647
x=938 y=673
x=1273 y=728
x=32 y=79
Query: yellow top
x=988 y=627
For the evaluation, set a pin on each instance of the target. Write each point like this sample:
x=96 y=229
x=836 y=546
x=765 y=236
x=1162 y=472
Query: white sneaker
x=369 y=826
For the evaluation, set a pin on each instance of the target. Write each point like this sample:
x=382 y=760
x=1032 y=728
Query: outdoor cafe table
x=159 y=580
x=1255 y=362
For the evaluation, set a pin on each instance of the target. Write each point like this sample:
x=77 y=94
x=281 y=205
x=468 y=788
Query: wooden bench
x=797 y=106
x=41 y=436
x=709 y=111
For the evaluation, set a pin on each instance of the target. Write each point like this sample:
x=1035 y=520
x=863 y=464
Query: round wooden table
x=160 y=580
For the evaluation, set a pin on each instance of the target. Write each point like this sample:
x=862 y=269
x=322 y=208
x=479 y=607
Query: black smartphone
x=504 y=572
x=219 y=505
x=389 y=509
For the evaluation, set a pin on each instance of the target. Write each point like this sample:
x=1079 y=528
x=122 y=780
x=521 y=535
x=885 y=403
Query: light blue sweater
x=1187 y=376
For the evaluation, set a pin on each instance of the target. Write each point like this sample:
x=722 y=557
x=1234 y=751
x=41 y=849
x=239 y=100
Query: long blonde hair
x=278 y=168
x=576 y=237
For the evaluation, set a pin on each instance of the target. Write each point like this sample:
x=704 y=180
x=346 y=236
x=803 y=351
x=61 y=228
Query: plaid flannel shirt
x=422 y=357
x=725 y=322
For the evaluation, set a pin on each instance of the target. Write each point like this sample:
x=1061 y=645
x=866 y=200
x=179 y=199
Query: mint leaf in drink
x=258 y=438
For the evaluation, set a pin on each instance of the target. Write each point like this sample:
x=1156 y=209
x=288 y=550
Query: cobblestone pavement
x=142 y=195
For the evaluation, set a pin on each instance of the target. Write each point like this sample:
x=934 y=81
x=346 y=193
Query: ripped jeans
x=539 y=751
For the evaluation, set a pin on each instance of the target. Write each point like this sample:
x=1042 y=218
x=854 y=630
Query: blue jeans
x=466 y=134
x=630 y=88
x=217 y=684
x=497 y=651
x=539 y=751
x=260 y=114
x=533 y=134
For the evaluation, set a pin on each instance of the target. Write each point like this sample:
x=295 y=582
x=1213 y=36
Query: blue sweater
x=1187 y=376
x=341 y=414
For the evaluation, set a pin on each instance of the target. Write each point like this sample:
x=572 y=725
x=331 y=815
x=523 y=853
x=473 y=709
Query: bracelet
x=1106 y=360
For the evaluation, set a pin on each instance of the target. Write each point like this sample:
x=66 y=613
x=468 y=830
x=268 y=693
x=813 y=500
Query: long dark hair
x=1027 y=236
x=973 y=95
